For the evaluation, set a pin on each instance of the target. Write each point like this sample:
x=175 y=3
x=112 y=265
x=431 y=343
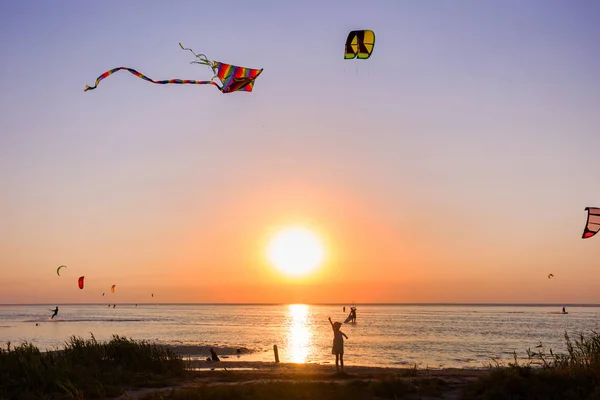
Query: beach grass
x=574 y=375
x=86 y=369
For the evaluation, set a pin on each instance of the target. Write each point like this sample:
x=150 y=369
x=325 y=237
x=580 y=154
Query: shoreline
x=355 y=370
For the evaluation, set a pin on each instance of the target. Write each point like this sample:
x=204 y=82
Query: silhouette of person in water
x=55 y=312
x=564 y=311
x=214 y=356
x=353 y=312
x=338 y=344
x=344 y=308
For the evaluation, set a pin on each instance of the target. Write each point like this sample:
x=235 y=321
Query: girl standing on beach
x=338 y=344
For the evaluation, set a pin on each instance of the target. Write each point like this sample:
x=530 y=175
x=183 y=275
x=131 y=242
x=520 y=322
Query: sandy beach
x=228 y=373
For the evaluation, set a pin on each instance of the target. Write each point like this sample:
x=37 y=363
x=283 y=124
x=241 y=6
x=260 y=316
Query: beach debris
x=232 y=77
x=592 y=225
x=213 y=355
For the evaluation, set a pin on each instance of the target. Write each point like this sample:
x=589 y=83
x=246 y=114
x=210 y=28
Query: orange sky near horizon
x=370 y=257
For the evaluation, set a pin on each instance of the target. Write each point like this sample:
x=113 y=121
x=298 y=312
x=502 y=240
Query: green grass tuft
x=86 y=369
x=574 y=375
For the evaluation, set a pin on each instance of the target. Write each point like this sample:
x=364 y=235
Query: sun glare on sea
x=295 y=250
x=299 y=334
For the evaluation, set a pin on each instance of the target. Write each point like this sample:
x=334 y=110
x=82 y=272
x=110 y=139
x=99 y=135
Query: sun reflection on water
x=299 y=333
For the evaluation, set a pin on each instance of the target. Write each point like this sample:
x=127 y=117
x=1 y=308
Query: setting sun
x=295 y=250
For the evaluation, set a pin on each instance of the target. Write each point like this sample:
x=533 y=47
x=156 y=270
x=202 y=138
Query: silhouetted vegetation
x=86 y=369
x=574 y=375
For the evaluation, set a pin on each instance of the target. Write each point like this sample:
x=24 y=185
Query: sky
x=454 y=165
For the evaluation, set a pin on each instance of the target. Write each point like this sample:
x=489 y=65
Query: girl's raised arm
x=330 y=322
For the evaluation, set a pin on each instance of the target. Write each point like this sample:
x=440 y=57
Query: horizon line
x=324 y=304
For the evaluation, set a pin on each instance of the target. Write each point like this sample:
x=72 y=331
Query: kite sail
x=592 y=226
x=233 y=78
x=58 y=269
x=112 y=288
x=359 y=44
x=550 y=276
x=80 y=282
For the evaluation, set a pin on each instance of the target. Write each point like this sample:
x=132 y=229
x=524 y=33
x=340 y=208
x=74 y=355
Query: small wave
x=224 y=369
x=204 y=350
x=90 y=320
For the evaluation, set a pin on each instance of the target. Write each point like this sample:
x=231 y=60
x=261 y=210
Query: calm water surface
x=432 y=336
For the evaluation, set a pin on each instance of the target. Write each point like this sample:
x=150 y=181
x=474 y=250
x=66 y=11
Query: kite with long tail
x=233 y=78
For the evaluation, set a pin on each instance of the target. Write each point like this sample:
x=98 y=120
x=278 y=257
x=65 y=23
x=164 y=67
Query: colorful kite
x=592 y=226
x=550 y=276
x=80 y=282
x=58 y=269
x=233 y=78
x=112 y=288
x=359 y=44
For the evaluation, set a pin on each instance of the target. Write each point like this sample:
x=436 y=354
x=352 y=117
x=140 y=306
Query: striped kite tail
x=142 y=76
x=110 y=72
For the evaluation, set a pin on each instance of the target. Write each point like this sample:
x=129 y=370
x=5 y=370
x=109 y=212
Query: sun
x=295 y=250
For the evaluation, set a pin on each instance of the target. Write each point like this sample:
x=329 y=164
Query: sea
x=386 y=335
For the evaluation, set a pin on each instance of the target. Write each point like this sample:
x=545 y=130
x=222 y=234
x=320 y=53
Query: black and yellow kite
x=359 y=44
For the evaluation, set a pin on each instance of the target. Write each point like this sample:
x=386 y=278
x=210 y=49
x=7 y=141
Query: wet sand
x=296 y=371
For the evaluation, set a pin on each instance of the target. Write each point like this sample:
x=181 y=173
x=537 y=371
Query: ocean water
x=434 y=336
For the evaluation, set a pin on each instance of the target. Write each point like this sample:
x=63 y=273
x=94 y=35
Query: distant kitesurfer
x=564 y=311
x=55 y=312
